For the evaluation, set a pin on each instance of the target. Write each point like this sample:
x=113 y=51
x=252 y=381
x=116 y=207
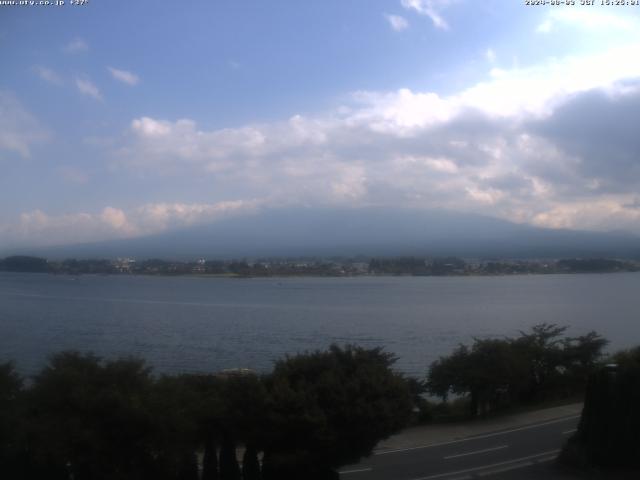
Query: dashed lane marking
x=476 y=452
x=360 y=470
x=478 y=437
x=515 y=463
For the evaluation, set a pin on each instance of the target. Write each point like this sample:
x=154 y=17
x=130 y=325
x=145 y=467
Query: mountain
x=295 y=232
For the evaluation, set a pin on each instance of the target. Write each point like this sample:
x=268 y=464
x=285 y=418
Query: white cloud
x=470 y=150
x=163 y=143
x=402 y=111
x=48 y=75
x=430 y=8
x=158 y=217
x=483 y=149
x=87 y=87
x=607 y=213
x=124 y=76
x=37 y=228
x=588 y=19
x=77 y=45
x=148 y=127
x=397 y=22
x=546 y=85
x=549 y=83
x=19 y=130
x=544 y=27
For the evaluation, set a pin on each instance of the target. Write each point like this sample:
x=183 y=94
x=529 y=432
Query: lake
x=193 y=324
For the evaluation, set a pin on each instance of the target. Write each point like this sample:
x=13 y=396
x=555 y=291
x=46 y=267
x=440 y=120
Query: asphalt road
x=478 y=456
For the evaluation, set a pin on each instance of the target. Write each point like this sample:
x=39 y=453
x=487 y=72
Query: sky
x=121 y=119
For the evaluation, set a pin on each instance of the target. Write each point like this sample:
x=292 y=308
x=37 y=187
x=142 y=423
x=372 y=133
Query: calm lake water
x=191 y=324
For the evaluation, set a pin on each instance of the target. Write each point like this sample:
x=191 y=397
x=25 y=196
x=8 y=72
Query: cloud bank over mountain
x=549 y=142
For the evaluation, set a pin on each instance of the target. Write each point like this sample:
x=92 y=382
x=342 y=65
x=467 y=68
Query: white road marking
x=476 y=452
x=567 y=432
x=478 y=437
x=522 y=460
x=508 y=468
x=344 y=472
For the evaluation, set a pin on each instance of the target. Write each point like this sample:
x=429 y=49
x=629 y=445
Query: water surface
x=191 y=324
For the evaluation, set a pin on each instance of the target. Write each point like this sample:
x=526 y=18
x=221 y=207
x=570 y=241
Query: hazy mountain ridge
x=366 y=231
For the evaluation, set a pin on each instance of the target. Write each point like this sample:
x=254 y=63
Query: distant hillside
x=367 y=231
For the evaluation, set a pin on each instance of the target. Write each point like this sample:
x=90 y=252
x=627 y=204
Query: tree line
x=85 y=418
x=539 y=365
x=415 y=266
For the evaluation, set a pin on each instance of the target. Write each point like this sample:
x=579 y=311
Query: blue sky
x=121 y=119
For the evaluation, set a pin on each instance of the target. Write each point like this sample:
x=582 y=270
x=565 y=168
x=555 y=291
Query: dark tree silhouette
x=489 y=372
x=210 y=460
x=188 y=467
x=250 y=464
x=90 y=419
x=11 y=440
x=229 y=468
x=537 y=365
x=609 y=430
x=331 y=408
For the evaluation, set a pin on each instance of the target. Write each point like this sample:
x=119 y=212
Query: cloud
x=87 y=87
x=124 y=76
x=77 y=45
x=607 y=213
x=37 y=228
x=48 y=75
x=588 y=19
x=158 y=217
x=397 y=22
x=545 y=27
x=486 y=149
x=164 y=143
x=562 y=155
x=430 y=8
x=148 y=127
x=19 y=129
x=599 y=128
x=547 y=85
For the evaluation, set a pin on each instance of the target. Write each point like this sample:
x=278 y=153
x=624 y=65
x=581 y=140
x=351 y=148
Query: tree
x=250 y=464
x=329 y=409
x=11 y=419
x=488 y=373
x=210 y=460
x=229 y=468
x=539 y=364
x=580 y=358
x=90 y=419
x=188 y=469
x=542 y=351
x=20 y=263
x=186 y=410
x=448 y=374
x=609 y=430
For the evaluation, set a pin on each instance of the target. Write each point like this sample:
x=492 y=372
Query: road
x=471 y=457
